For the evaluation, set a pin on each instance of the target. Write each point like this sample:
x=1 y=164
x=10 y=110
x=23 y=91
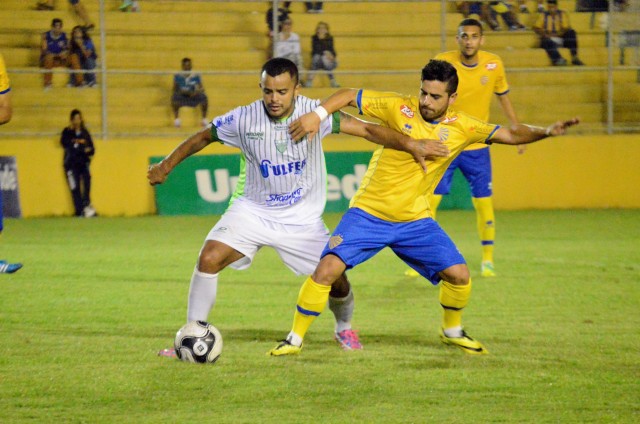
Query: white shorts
x=299 y=246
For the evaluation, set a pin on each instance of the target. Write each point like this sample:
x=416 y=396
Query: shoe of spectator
x=577 y=62
x=560 y=62
x=177 y=123
x=334 y=84
x=89 y=212
x=540 y=8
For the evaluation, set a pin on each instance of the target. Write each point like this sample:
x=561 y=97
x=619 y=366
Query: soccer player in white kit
x=281 y=193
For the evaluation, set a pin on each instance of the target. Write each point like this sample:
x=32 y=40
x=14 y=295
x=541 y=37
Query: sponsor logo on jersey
x=224 y=120
x=491 y=66
x=335 y=241
x=406 y=111
x=407 y=128
x=484 y=80
x=283 y=199
x=254 y=136
x=280 y=169
x=449 y=119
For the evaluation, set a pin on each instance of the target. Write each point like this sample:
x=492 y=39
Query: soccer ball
x=198 y=342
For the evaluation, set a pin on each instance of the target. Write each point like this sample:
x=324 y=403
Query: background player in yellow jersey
x=6 y=111
x=391 y=207
x=481 y=75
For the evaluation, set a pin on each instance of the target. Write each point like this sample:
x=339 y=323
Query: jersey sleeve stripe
x=359 y=101
x=488 y=139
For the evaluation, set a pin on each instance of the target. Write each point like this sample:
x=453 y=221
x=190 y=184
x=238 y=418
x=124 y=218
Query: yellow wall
x=566 y=172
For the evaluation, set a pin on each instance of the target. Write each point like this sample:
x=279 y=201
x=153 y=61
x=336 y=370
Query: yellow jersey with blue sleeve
x=477 y=84
x=394 y=187
x=5 y=85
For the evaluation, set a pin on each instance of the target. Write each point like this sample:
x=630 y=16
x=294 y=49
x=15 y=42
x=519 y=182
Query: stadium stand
x=392 y=41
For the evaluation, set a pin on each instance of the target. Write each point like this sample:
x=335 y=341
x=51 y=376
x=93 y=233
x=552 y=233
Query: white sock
x=453 y=331
x=202 y=295
x=294 y=339
x=342 y=308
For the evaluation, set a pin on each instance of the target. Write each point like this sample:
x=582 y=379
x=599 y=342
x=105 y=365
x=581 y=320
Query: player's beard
x=430 y=115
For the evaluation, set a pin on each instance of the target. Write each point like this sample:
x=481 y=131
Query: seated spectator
x=129 y=5
x=82 y=55
x=522 y=4
x=77 y=7
x=54 y=50
x=323 y=54
x=554 y=29
x=481 y=10
x=188 y=91
x=288 y=45
x=502 y=9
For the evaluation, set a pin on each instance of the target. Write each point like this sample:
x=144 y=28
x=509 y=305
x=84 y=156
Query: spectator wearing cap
x=554 y=29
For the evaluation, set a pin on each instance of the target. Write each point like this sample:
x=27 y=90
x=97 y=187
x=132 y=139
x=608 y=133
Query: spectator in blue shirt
x=188 y=91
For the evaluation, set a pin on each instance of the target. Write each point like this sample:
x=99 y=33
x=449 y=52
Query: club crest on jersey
x=443 y=134
x=484 y=80
x=335 y=241
x=406 y=111
x=281 y=138
x=491 y=66
x=281 y=145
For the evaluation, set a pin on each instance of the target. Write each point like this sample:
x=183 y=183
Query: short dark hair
x=443 y=71
x=56 y=21
x=185 y=60
x=471 y=22
x=280 y=65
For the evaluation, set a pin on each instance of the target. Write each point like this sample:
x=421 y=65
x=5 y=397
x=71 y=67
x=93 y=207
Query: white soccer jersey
x=281 y=180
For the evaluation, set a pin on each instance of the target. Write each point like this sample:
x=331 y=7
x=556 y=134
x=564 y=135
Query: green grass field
x=82 y=321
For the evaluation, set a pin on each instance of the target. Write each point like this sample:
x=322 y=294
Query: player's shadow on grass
x=399 y=340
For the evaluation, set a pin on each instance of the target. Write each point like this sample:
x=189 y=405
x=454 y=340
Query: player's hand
x=157 y=174
x=307 y=125
x=427 y=149
x=560 y=127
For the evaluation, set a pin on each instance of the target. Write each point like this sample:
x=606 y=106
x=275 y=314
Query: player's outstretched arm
x=419 y=149
x=524 y=134
x=157 y=173
x=308 y=124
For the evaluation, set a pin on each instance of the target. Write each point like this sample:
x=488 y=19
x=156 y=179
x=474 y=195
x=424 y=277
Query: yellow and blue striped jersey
x=477 y=84
x=394 y=187
x=5 y=85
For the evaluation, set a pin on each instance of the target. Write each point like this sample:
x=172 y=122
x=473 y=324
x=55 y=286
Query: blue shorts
x=74 y=2
x=476 y=168
x=422 y=244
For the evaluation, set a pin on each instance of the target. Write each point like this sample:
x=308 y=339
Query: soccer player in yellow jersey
x=391 y=207
x=6 y=112
x=481 y=75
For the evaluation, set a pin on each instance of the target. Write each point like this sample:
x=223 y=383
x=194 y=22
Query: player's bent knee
x=328 y=270
x=458 y=275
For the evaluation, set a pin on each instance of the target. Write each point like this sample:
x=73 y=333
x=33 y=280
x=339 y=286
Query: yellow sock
x=434 y=202
x=453 y=300
x=311 y=302
x=486 y=223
